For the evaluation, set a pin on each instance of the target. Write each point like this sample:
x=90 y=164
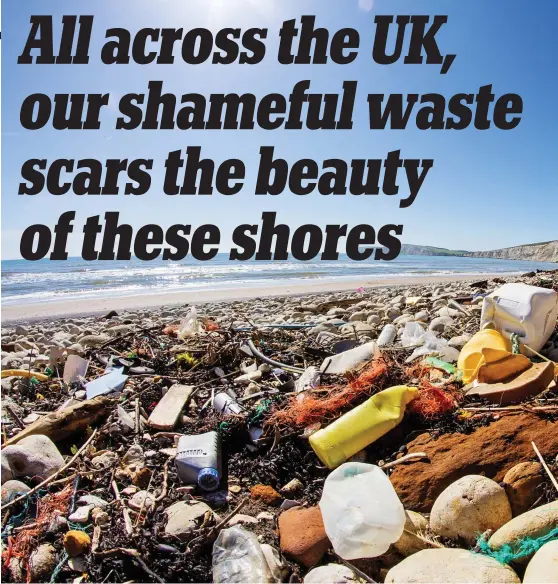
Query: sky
x=487 y=189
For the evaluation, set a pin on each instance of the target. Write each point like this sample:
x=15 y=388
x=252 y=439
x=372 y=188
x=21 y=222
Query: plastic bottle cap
x=208 y=479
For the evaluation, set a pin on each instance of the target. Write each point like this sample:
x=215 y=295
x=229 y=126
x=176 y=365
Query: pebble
x=470 y=506
x=104 y=460
x=142 y=499
x=12 y=489
x=99 y=517
x=543 y=566
x=241 y=519
x=265 y=516
x=92 y=500
x=42 y=562
x=78 y=564
x=182 y=518
x=33 y=456
x=266 y=494
x=293 y=486
x=534 y=524
x=451 y=566
x=302 y=535
x=335 y=573
x=522 y=484
x=81 y=514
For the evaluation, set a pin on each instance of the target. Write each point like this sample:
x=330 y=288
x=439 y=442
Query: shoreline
x=19 y=313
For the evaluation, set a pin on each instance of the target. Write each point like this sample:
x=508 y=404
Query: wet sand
x=89 y=306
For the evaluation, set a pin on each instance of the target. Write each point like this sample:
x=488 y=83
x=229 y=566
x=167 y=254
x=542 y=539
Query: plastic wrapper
x=238 y=557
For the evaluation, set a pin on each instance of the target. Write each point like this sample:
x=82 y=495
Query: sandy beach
x=38 y=311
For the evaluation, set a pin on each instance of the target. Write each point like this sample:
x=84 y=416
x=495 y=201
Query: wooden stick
x=125 y=512
x=15 y=416
x=52 y=477
x=404 y=459
x=545 y=466
x=163 y=493
x=538 y=354
x=137 y=410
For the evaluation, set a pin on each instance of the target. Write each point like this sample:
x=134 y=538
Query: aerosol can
x=198 y=460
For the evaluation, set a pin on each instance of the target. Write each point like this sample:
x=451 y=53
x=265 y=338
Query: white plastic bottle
x=362 y=513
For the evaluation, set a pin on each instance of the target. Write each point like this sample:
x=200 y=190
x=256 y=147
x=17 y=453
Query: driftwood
x=63 y=423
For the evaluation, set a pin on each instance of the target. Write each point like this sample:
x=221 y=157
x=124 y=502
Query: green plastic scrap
x=521 y=548
x=443 y=365
x=514 y=338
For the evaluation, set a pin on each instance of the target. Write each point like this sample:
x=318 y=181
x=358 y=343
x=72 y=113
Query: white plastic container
x=529 y=311
x=362 y=513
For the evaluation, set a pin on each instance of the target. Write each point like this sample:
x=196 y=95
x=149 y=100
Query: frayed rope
x=521 y=548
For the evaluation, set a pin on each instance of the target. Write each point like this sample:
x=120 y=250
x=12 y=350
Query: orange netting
x=20 y=544
x=311 y=409
x=432 y=401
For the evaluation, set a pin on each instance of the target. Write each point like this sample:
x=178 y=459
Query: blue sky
x=486 y=190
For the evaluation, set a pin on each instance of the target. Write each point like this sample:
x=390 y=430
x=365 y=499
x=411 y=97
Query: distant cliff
x=541 y=252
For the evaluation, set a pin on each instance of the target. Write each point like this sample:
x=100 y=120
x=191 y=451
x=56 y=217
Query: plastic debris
x=362 y=425
x=361 y=511
x=238 y=558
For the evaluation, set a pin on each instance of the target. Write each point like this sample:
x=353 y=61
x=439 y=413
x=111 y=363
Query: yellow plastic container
x=471 y=357
x=362 y=426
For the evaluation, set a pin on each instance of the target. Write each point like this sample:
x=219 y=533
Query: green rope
x=261 y=410
x=59 y=567
x=521 y=548
x=514 y=338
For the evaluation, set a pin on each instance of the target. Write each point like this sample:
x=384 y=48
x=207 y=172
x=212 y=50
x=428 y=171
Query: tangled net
x=20 y=545
x=432 y=401
x=312 y=409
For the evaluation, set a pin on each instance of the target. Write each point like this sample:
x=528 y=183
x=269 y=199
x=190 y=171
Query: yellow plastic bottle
x=360 y=427
x=471 y=357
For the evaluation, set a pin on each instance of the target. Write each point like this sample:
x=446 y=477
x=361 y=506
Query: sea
x=48 y=281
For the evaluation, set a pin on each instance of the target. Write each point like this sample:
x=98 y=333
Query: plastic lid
x=208 y=479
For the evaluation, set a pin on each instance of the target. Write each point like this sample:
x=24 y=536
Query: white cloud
x=366 y=5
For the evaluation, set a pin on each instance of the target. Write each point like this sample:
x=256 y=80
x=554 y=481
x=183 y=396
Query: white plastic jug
x=528 y=311
x=362 y=513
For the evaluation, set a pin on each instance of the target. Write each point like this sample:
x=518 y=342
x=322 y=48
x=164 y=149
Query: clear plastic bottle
x=198 y=460
x=361 y=511
x=238 y=557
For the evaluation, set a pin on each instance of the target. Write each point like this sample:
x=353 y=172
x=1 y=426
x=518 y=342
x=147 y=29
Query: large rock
x=302 y=535
x=332 y=573
x=543 y=567
x=183 y=518
x=450 y=566
x=408 y=544
x=13 y=489
x=486 y=451
x=522 y=484
x=468 y=507
x=534 y=524
x=33 y=456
